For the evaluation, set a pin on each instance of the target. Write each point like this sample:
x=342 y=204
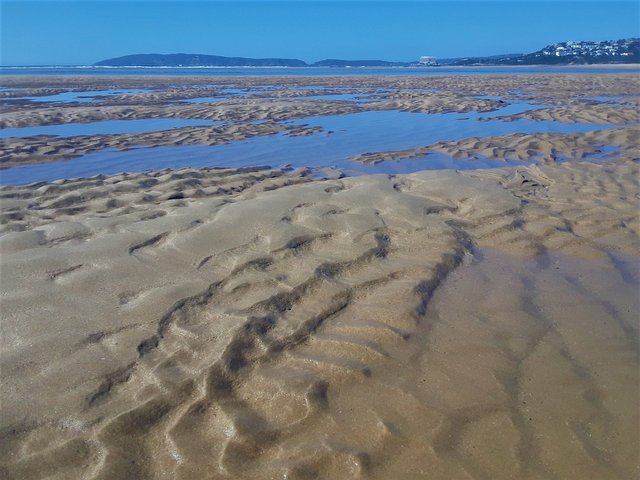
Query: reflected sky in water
x=342 y=136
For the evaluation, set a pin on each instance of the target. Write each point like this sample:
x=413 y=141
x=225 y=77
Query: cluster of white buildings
x=592 y=49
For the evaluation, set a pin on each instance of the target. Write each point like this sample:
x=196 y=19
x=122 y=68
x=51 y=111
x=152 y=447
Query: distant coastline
x=599 y=66
x=609 y=52
x=621 y=66
x=266 y=72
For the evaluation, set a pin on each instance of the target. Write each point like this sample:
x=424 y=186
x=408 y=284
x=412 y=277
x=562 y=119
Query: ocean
x=310 y=71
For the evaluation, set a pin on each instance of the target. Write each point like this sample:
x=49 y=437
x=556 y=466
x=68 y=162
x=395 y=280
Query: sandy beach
x=263 y=323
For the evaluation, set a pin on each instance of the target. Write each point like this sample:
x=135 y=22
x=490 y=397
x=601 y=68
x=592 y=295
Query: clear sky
x=83 y=32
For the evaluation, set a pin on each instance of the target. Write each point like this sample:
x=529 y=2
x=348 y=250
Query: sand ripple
x=374 y=327
x=538 y=148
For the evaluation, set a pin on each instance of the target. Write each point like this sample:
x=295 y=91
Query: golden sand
x=442 y=324
x=258 y=324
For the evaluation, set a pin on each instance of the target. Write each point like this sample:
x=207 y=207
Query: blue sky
x=84 y=32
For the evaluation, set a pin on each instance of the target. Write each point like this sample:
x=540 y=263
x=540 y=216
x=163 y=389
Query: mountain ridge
x=196 y=60
x=623 y=51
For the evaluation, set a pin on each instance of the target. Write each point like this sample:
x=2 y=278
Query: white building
x=428 y=61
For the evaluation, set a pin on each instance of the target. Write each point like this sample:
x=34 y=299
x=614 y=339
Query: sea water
x=342 y=137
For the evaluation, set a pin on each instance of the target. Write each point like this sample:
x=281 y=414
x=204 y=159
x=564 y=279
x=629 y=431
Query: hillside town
x=565 y=53
x=611 y=48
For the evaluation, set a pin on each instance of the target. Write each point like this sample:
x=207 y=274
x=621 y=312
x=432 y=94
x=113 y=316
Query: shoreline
x=568 y=66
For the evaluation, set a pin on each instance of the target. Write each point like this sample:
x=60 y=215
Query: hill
x=196 y=60
x=567 y=53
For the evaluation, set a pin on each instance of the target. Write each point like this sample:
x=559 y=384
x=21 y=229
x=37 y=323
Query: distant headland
x=198 y=60
x=625 y=51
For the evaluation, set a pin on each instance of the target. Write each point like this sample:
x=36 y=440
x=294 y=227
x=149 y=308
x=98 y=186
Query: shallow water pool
x=342 y=137
x=80 y=97
x=108 y=127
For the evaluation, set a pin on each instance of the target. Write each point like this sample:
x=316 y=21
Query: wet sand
x=604 y=114
x=257 y=106
x=38 y=149
x=439 y=324
x=261 y=324
x=538 y=148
